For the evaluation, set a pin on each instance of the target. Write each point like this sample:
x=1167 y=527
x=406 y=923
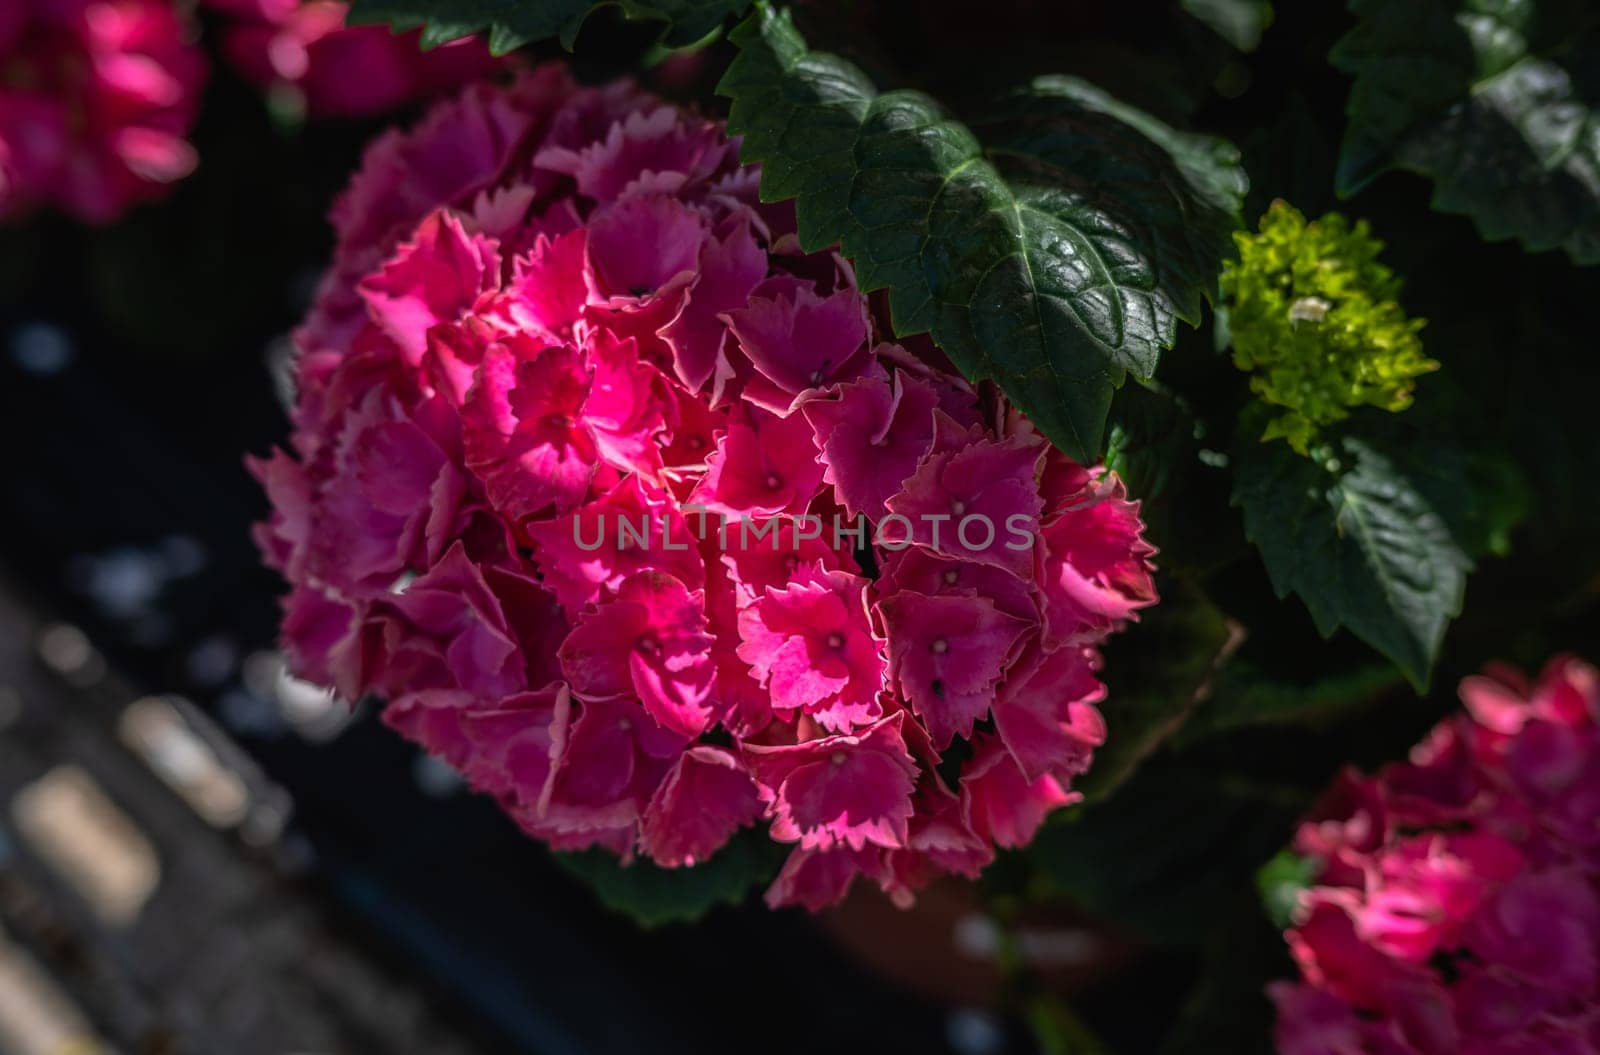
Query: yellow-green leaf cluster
x=1316 y=321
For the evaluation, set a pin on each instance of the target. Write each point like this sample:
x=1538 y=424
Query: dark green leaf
x=1150 y=440
x=1377 y=541
x=1054 y=262
x=1497 y=103
x=653 y=895
x=511 y=24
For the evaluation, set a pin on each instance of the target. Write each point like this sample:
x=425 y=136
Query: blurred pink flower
x=340 y=70
x=1457 y=902
x=97 y=98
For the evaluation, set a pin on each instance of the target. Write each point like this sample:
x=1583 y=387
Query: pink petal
x=705 y=798
x=648 y=642
x=799 y=342
x=642 y=249
x=587 y=554
x=1002 y=804
x=978 y=503
x=947 y=654
x=729 y=270
x=1046 y=715
x=815 y=879
x=872 y=436
x=523 y=431
x=850 y=789
x=434 y=278
x=763 y=465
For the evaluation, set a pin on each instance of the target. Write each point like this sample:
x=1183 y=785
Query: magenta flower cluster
x=588 y=463
x=1456 y=909
x=96 y=99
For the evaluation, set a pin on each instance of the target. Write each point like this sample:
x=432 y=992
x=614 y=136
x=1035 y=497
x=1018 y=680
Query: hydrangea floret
x=631 y=512
x=97 y=98
x=1314 y=318
x=1455 y=897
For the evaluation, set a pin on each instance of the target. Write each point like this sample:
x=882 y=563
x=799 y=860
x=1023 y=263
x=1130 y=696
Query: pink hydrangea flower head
x=95 y=107
x=621 y=501
x=1456 y=905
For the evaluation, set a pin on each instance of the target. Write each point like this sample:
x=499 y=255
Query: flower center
x=835 y=640
x=958 y=507
x=951 y=577
x=940 y=646
x=837 y=758
x=774 y=481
